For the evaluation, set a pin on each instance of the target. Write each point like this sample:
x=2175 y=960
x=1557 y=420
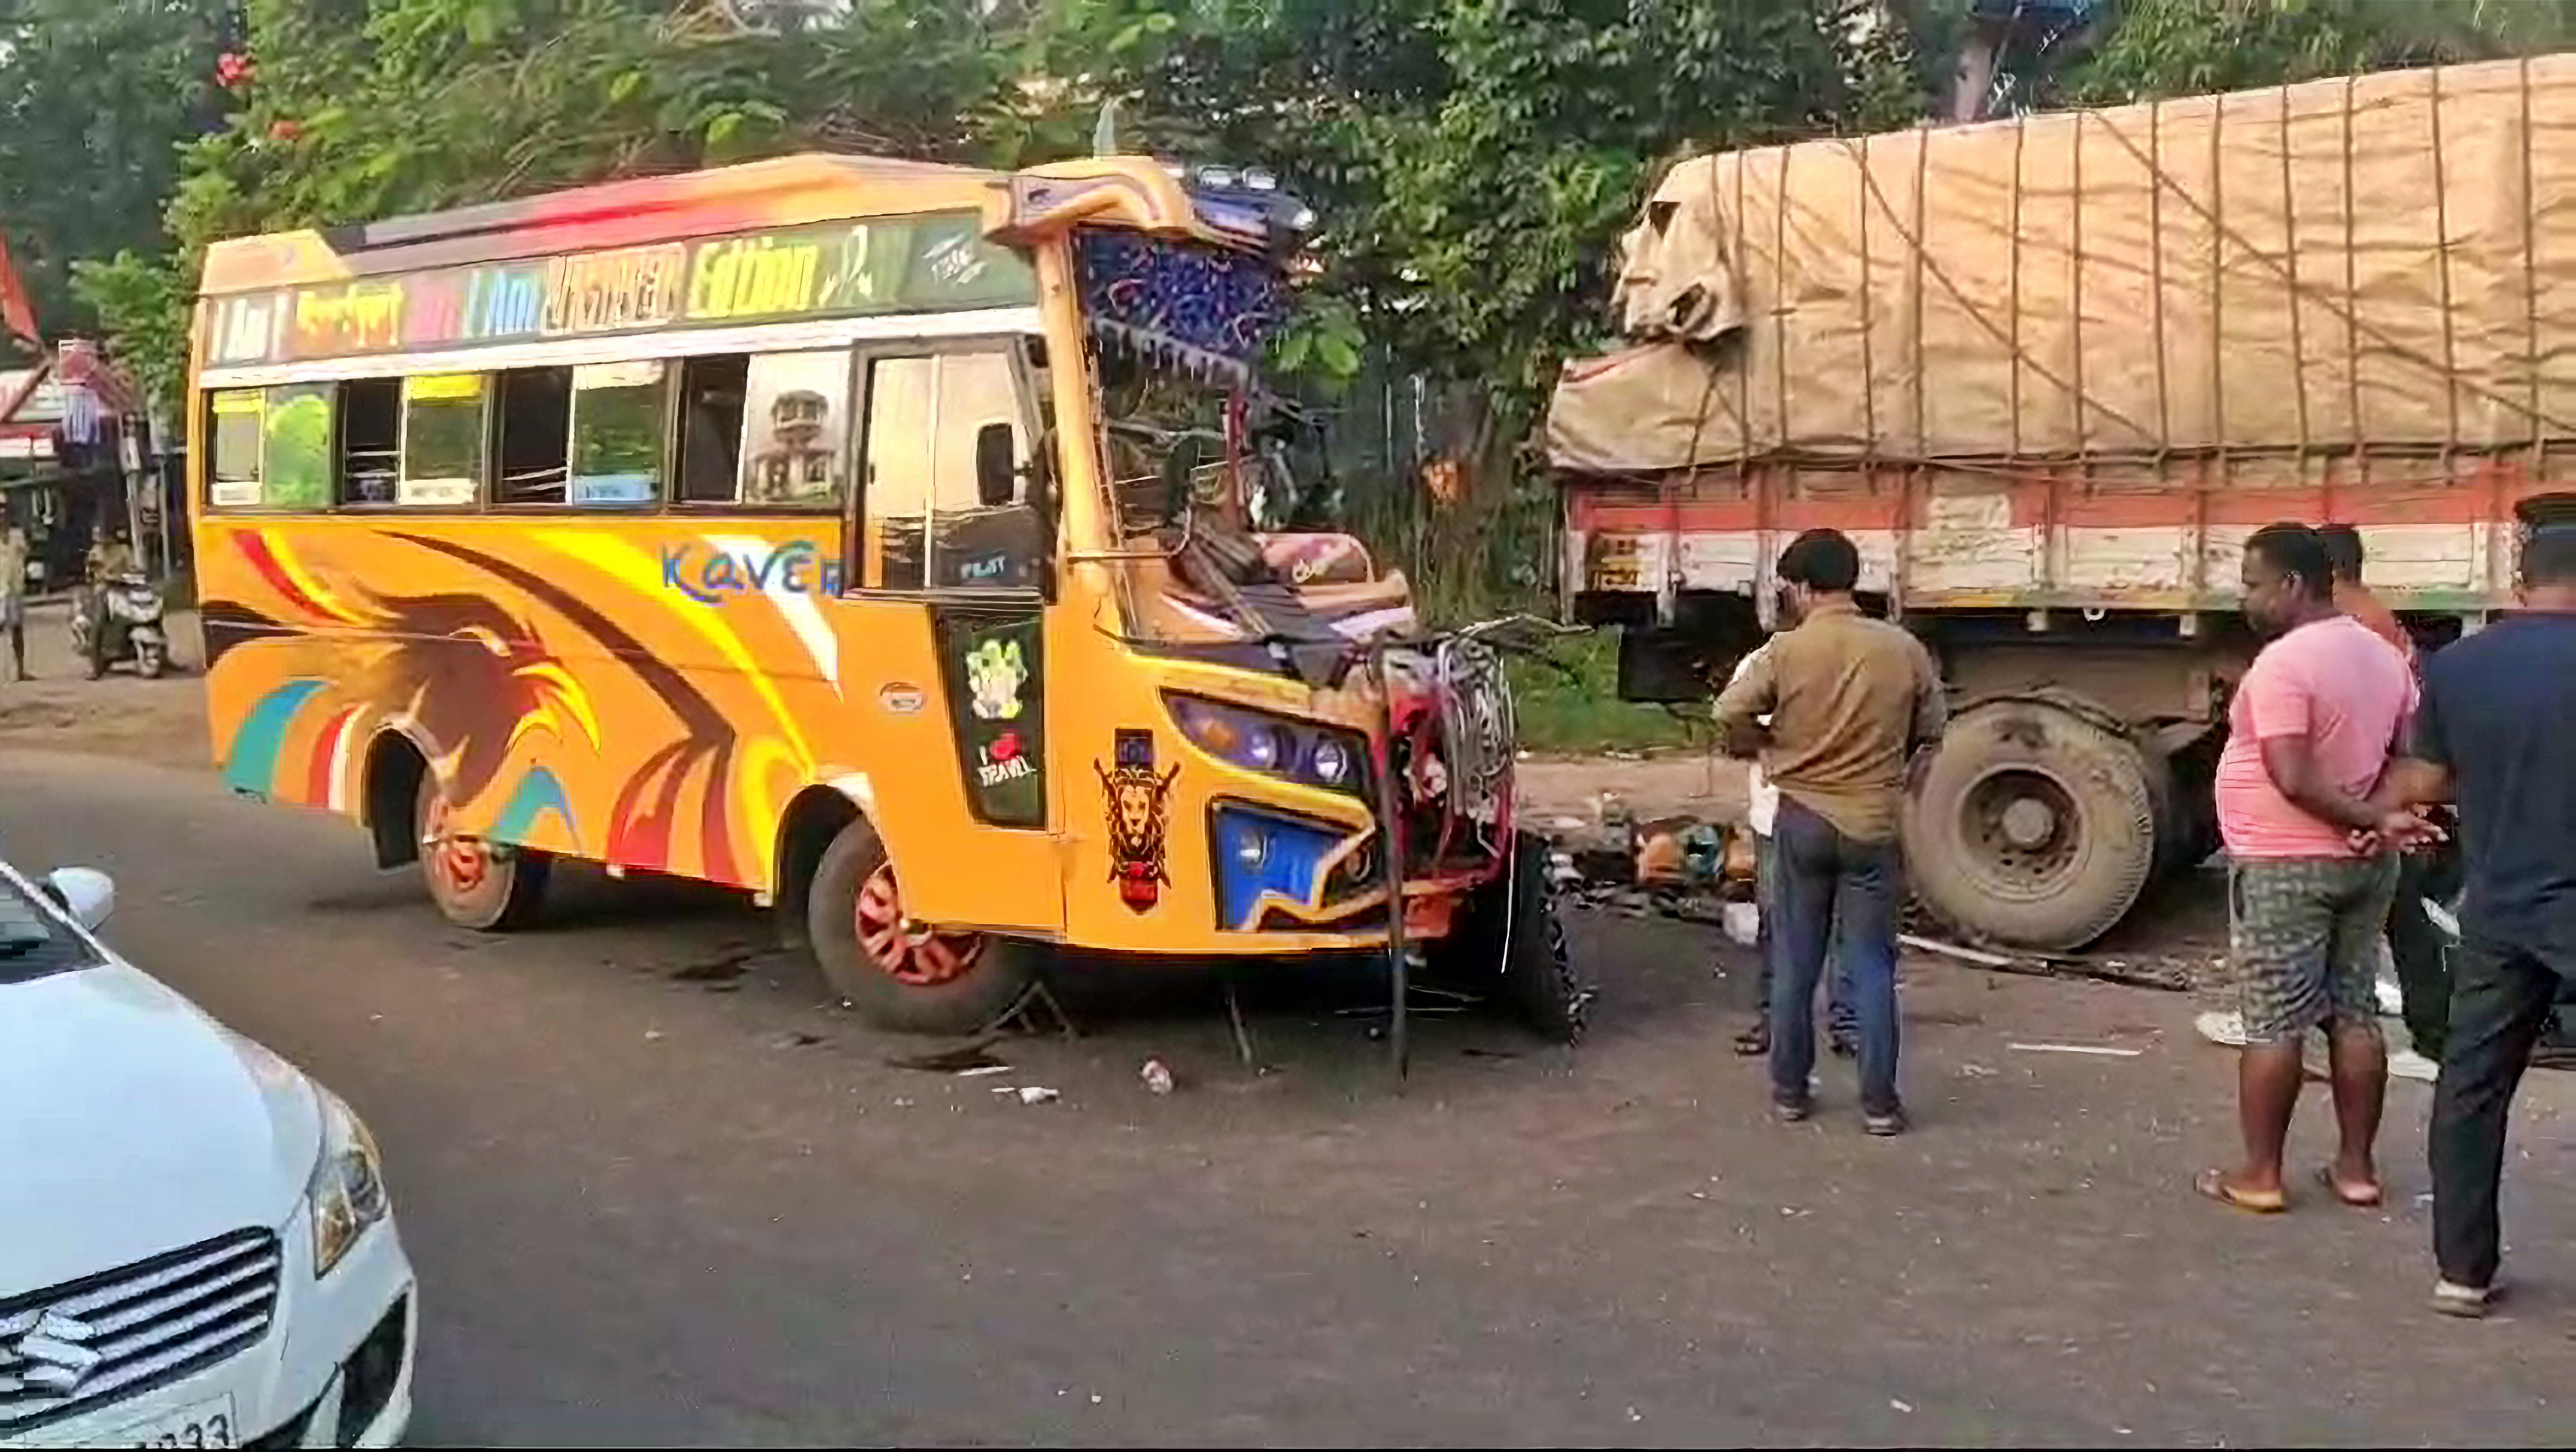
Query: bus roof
x=785 y=192
x=781 y=192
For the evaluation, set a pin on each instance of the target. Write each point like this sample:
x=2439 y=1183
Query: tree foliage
x=2186 y=47
x=95 y=97
x=363 y=109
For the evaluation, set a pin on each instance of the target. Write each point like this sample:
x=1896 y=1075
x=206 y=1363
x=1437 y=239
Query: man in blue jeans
x=1848 y=698
x=1762 y=799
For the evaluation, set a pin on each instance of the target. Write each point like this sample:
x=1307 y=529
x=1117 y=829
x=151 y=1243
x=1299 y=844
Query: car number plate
x=206 y=1424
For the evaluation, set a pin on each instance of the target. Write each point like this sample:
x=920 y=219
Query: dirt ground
x=119 y=715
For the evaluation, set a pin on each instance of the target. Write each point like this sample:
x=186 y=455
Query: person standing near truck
x=2491 y=737
x=1848 y=698
x=1762 y=813
x=2310 y=732
x=2414 y=944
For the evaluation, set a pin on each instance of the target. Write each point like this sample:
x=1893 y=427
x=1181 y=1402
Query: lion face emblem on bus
x=1139 y=801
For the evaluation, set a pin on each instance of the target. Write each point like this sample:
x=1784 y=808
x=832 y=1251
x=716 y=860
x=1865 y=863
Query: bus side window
x=895 y=499
x=442 y=441
x=621 y=421
x=536 y=436
x=711 y=411
x=234 y=435
x=370 y=440
x=295 y=437
x=927 y=524
x=796 y=428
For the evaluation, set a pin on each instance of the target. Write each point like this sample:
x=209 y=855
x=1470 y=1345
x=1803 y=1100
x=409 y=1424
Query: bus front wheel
x=894 y=972
x=1510 y=942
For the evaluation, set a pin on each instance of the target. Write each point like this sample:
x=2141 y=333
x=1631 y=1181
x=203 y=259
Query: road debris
x=1030 y=1093
x=1964 y=954
x=1157 y=1076
x=2099 y=1050
x=956 y=1059
x=1743 y=923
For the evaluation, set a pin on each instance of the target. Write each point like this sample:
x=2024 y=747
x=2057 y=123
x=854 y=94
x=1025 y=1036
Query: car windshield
x=33 y=942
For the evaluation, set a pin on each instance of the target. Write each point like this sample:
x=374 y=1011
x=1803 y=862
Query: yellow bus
x=867 y=535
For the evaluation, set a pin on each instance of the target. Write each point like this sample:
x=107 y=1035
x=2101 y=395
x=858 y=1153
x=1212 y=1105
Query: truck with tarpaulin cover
x=2050 y=373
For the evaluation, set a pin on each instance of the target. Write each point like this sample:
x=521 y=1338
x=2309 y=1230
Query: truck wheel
x=898 y=975
x=1509 y=941
x=490 y=887
x=2031 y=826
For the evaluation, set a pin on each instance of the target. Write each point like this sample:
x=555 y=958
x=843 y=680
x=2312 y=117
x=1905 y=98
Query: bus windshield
x=1179 y=329
x=1196 y=450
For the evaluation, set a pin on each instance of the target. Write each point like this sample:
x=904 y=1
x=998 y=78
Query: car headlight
x=347 y=1191
x=1298 y=751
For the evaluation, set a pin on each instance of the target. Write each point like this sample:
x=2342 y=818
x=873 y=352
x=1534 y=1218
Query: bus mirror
x=997 y=467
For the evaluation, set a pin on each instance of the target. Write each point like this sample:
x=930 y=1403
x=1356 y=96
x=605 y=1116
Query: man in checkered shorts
x=2310 y=733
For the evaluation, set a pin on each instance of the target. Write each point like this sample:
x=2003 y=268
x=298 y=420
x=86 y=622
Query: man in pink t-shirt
x=2309 y=735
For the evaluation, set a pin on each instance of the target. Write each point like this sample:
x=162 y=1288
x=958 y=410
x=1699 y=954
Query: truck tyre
x=2031 y=825
x=1510 y=942
x=897 y=975
x=490 y=887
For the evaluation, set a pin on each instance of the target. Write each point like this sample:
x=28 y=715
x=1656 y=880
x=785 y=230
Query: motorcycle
x=119 y=619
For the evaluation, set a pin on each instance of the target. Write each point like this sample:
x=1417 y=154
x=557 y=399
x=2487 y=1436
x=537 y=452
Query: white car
x=196 y=1249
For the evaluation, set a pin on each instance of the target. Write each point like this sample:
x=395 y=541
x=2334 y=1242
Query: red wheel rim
x=460 y=863
x=921 y=960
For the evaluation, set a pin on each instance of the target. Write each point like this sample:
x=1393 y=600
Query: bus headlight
x=1298 y=751
x=1332 y=762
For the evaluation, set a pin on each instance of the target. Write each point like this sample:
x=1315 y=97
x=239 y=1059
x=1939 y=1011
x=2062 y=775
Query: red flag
x=16 y=313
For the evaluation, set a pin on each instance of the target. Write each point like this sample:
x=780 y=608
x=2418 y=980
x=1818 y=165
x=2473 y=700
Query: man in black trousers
x=2491 y=736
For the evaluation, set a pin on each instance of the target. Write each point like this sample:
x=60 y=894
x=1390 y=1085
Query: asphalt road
x=658 y=1192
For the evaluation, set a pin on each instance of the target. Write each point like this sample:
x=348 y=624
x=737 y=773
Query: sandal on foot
x=2213 y=1185
x=2359 y=1197
x=1754 y=1042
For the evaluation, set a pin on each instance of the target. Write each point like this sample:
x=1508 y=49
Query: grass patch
x=1573 y=708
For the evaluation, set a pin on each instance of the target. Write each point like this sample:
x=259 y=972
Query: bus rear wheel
x=487 y=886
x=894 y=972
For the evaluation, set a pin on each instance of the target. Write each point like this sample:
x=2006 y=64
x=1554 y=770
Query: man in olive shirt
x=1849 y=698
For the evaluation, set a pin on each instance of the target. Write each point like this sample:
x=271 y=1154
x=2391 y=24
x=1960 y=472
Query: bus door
x=944 y=531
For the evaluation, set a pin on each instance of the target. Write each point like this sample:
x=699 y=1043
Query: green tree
x=365 y=109
x=2156 y=48
x=96 y=96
